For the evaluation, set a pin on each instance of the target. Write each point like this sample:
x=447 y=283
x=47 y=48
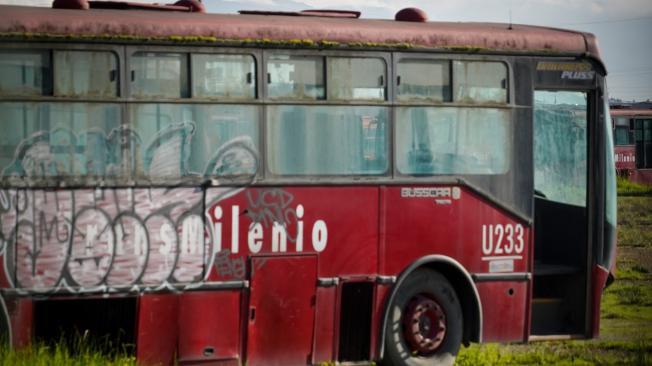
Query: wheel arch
x=464 y=286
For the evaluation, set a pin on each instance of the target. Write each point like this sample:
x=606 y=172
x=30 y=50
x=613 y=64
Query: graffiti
x=227 y=267
x=267 y=206
x=137 y=239
x=112 y=239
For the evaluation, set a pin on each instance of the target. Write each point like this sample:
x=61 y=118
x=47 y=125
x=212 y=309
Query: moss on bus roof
x=202 y=40
x=245 y=42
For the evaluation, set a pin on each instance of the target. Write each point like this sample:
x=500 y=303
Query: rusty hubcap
x=424 y=325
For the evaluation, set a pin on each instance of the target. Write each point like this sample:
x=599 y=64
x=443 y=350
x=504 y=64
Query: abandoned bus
x=633 y=144
x=299 y=188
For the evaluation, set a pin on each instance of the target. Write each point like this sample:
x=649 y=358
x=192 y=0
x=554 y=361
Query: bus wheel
x=425 y=322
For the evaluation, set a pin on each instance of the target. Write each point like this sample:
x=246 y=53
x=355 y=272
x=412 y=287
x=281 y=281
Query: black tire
x=431 y=286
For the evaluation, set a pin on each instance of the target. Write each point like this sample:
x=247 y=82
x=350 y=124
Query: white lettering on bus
x=217 y=228
x=279 y=238
x=431 y=192
x=193 y=235
x=502 y=239
x=256 y=234
x=167 y=236
x=235 y=210
x=255 y=237
x=319 y=236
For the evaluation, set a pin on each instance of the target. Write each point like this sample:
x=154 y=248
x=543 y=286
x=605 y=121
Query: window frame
x=117 y=50
x=385 y=56
x=268 y=176
x=257 y=55
x=509 y=105
x=260 y=56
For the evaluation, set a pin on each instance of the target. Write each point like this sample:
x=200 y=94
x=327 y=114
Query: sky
x=623 y=27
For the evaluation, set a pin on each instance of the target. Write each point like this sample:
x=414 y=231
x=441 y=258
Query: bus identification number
x=502 y=239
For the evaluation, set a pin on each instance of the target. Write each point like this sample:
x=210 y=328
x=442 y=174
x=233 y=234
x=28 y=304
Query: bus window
x=356 y=78
x=452 y=140
x=475 y=81
x=186 y=140
x=60 y=140
x=643 y=135
x=162 y=75
x=560 y=146
x=327 y=140
x=421 y=79
x=624 y=135
x=223 y=76
x=82 y=73
x=25 y=72
x=295 y=77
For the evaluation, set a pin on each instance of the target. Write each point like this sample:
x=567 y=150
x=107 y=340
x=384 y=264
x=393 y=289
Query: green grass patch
x=78 y=352
x=627 y=188
x=629 y=300
x=636 y=272
x=635 y=221
x=558 y=353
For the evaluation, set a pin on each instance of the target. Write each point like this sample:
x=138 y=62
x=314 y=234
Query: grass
x=558 y=353
x=78 y=350
x=627 y=188
x=635 y=222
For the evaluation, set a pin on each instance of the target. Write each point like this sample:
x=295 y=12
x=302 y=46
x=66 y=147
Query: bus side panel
x=323 y=344
x=209 y=326
x=281 y=311
x=453 y=221
x=157 y=329
x=21 y=312
x=439 y=223
x=339 y=223
x=503 y=319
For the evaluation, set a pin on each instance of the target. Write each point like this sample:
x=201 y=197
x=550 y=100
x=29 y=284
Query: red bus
x=633 y=143
x=295 y=188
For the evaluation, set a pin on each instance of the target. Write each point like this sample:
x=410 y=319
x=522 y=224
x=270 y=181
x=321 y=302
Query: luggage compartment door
x=281 y=310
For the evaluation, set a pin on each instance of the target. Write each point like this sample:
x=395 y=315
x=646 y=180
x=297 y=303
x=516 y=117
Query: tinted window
x=643 y=139
x=420 y=79
x=159 y=75
x=623 y=136
x=61 y=140
x=475 y=81
x=223 y=76
x=81 y=73
x=622 y=121
x=327 y=140
x=356 y=78
x=560 y=146
x=181 y=140
x=452 y=141
x=295 y=77
x=25 y=73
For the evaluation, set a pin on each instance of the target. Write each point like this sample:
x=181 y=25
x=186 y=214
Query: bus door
x=281 y=310
x=562 y=117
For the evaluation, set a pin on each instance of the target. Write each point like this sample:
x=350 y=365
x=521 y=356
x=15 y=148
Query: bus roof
x=631 y=112
x=19 y=21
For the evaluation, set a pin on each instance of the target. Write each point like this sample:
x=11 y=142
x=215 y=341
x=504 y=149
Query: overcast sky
x=623 y=28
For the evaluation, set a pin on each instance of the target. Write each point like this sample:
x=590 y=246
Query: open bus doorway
x=560 y=209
